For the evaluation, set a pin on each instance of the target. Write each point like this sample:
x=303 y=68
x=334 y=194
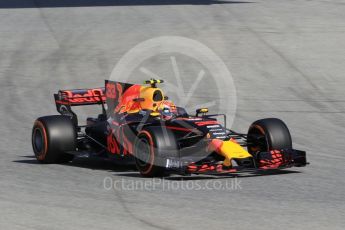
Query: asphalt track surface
x=287 y=59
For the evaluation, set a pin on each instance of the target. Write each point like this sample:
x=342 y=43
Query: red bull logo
x=83 y=96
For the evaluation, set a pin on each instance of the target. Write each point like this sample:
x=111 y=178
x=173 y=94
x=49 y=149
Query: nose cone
x=229 y=150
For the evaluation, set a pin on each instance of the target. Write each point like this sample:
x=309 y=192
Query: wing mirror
x=202 y=111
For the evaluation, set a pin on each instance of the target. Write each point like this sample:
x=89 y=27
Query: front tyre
x=52 y=137
x=152 y=147
x=268 y=134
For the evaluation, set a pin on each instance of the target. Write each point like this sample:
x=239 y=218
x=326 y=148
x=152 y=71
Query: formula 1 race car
x=140 y=123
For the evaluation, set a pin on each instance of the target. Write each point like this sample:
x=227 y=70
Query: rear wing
x=114 y=94
x=65 y=99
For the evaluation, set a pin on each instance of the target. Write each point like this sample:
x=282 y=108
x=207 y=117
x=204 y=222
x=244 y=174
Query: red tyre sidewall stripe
x=43 y=154
x=260 y=128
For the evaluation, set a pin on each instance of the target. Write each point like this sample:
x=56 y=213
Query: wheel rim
x=258 y=140
x=38 y=141
x=143 y=152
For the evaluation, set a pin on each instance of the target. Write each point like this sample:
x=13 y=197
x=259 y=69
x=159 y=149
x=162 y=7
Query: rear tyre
x=52 y=137
x=152 y=147
x=268 y=134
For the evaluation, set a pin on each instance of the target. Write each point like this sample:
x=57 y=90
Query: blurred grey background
x=287 y=59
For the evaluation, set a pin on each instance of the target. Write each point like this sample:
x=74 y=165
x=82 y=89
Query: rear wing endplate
x=65 y=99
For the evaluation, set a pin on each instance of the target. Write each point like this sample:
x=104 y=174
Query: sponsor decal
x=222 y=133
x=110 y=90
x=112 y=144
x=213 y=130
x=172 y=163
x=83 y=96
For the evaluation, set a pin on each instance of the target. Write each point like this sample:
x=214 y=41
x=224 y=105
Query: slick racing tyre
x=52 y=137
x=152 y=147
x=268 y=134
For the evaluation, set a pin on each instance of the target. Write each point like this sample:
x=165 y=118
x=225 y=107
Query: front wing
x=262 y=161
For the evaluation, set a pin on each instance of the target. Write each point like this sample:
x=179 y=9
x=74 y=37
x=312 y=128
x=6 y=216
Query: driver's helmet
x=170 y=105
x=166 y=112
